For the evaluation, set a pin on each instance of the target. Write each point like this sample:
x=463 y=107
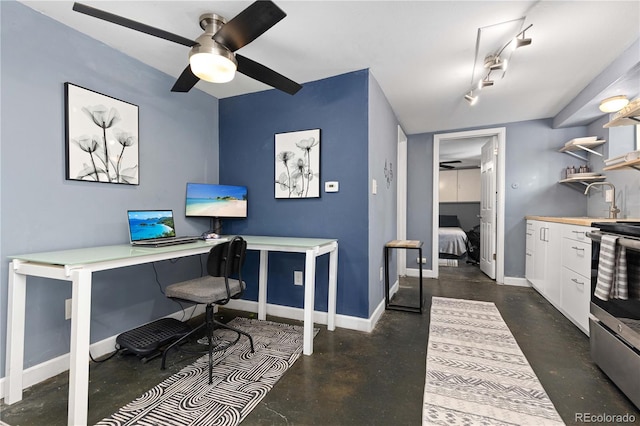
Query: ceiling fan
x=212 y=56
x=445 y=164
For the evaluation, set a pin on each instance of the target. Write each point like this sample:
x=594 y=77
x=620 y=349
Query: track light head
x=486 y=82
x=494 y=62
x=470 y=98
x=522 y=41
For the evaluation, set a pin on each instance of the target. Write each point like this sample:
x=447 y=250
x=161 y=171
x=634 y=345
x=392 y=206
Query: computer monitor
x=216 y=202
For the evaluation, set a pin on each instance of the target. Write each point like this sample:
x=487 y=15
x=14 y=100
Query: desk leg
x=333 y=289
x=262 y=285
x=309 y=293
x=79 y=354
x=16 y=298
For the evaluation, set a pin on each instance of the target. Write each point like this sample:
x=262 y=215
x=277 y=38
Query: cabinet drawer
x=576 y=255
x=577 y=233
x=575 y=297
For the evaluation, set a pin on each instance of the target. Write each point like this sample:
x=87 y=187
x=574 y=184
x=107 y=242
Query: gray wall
x=41 y=211
x=467 y=213
x=533 y=168
x=383 y=154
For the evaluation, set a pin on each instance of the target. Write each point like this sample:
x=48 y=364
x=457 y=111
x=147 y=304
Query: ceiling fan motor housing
x=211 y=24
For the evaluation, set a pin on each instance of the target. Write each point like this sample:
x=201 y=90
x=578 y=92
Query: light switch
x=374 y=187
x=331 y=186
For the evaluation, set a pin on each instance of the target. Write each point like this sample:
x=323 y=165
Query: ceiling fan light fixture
x=213 y=63
x=614 y=103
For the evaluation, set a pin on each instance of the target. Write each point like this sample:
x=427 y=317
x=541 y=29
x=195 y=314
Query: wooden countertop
x=583 y=221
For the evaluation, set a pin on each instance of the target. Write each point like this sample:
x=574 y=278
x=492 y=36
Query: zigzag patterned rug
x=476 y=373
x=240 y=380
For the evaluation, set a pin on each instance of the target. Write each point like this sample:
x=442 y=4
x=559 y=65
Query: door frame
x=500 y=133
x=401 y=209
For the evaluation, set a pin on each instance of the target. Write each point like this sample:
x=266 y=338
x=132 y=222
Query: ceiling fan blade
x=249 y=25
x=444 y=166
x=186 y=81
x=450 y=162
x=266 y=75
x=128 y=23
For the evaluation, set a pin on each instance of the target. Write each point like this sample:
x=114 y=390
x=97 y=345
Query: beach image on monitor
x=149 y=224
x=216 y=200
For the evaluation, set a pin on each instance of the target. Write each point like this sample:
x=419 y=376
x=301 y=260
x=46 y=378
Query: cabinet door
x=575 y=298
x=448 y=188
x=553 y=263
x=530 y=251
x=469 y=185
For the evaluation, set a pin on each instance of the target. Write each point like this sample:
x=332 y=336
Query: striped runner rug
x=240 y=380
x=476 y=373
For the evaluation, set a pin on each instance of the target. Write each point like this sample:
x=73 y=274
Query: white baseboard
x=426 y=273
x=516 y=281
x=45 y=370
x=342 y=321
x=50 y=368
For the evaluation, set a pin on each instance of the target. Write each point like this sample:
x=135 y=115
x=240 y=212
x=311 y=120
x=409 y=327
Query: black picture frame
x=297 y=164
x=101 y=137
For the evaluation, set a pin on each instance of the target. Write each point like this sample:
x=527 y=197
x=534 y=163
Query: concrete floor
x=356 y=378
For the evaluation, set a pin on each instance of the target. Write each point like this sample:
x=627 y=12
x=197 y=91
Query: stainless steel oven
x=614 y=324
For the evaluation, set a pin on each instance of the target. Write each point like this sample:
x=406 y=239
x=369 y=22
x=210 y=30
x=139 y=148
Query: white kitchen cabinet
x=558 y=266
x=544 y=259
x=576 y=275
x=459 y=186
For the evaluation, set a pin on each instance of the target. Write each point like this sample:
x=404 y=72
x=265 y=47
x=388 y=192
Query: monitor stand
x=216 y=225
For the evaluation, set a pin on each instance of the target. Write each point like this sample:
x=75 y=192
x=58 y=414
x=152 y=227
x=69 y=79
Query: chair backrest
x=227 y=259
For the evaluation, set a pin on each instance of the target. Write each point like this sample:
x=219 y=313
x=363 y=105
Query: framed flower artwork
x=297 y=169
x=101 y=137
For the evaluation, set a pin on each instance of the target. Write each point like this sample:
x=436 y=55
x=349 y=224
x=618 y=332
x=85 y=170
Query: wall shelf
x=627 y=116
x=585 y=181
x=633 y=164
x=581 y=144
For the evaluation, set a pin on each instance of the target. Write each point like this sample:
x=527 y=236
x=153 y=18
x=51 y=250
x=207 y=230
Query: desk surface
x=90 y=255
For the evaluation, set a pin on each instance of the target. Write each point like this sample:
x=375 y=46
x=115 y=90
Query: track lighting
x=521 y=41
x=470 y=98
x=614 y=103
x=486 y=82
x=495 y=61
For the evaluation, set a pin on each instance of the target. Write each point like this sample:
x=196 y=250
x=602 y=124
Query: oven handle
x=623 y=241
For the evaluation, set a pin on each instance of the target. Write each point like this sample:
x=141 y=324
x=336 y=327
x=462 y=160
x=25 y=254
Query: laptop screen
x=149 y=224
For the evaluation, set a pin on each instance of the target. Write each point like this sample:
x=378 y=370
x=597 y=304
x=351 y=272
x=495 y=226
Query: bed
x=452 y=240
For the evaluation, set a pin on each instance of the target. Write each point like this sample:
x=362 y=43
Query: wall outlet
x=381 y=273
x=67 y=309
x=298 y=278
x=422 y=260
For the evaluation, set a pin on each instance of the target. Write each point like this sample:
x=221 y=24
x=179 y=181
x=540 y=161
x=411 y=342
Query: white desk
x=78 y=266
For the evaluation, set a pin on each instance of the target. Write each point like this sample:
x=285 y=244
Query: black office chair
x=223 y=283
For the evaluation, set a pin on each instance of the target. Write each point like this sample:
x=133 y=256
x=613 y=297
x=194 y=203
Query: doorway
x=495 y=240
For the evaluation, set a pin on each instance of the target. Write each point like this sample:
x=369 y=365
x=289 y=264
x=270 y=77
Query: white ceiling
x=422 y=53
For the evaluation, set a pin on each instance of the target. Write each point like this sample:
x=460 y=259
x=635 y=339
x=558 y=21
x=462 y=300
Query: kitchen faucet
x=613 y=210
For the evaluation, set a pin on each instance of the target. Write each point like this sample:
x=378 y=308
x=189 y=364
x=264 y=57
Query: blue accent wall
x=41 y=211
x=248 y=124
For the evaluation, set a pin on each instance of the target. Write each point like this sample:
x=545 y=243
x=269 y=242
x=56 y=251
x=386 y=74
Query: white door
x=488 y=208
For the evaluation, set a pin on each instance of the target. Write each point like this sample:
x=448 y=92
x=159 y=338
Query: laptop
x=154 y=228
